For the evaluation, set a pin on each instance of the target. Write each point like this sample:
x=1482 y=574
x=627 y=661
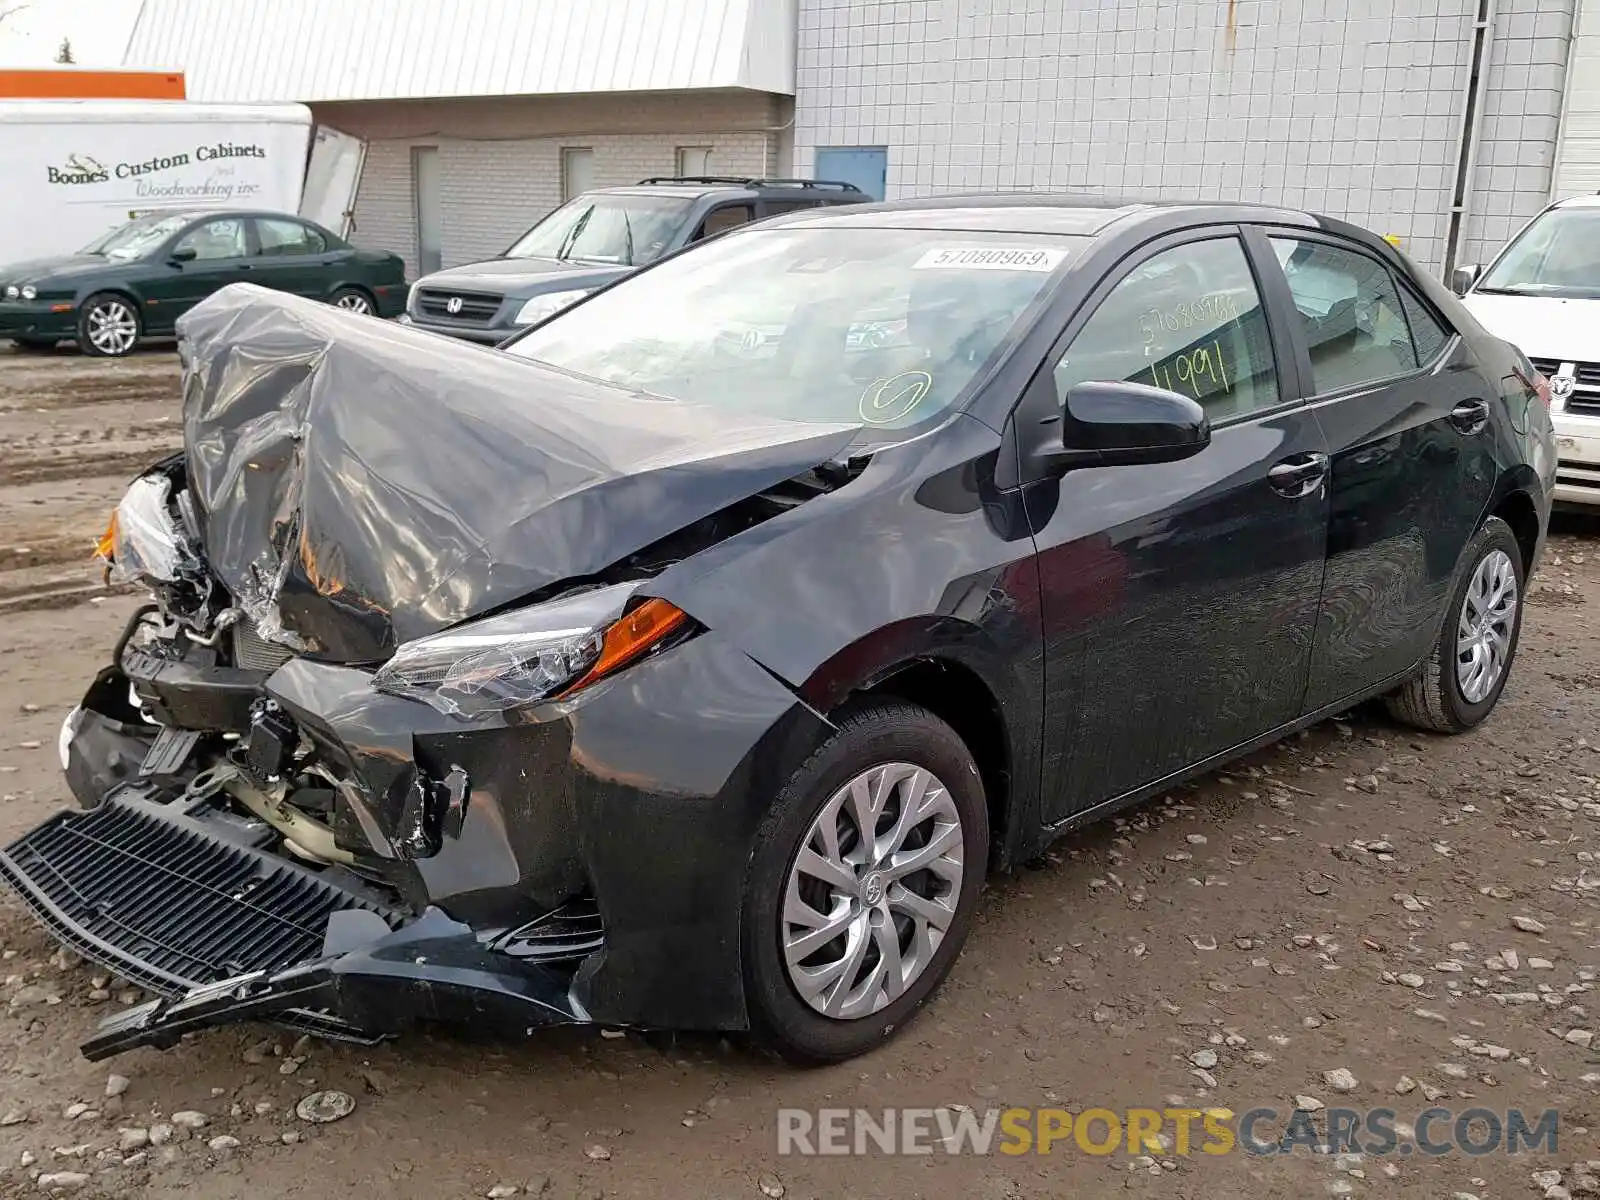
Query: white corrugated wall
x=249 y=50
x=1578 y=156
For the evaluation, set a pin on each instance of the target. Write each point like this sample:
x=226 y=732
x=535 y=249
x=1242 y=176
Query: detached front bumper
x=595 y=874
x=223 y=931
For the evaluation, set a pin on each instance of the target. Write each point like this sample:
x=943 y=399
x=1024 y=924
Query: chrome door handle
x=1300 y=475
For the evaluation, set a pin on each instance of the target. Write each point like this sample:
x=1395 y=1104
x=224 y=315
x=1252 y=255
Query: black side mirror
x=183 y=254
x=1117 y=424
x=1462 y=279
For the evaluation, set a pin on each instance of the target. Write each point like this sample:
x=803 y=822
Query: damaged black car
x=689 y=662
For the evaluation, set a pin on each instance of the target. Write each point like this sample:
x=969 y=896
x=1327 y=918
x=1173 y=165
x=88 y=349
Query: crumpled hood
x=361 y=484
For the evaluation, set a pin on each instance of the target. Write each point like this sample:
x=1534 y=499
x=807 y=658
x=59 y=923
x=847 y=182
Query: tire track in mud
x=74 y=430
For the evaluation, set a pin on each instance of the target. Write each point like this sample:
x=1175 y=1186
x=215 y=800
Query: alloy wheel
x=354 y=302
x=1483 y=632
x=872 y=891
x=112 y=327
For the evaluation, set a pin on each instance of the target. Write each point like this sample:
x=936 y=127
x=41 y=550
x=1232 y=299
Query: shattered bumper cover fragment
x=223 y=932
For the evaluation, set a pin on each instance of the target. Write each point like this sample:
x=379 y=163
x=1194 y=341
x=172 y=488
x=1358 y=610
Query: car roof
x=198 y=214
x=732 y=188
x=1050 y=213
x=1578 y=202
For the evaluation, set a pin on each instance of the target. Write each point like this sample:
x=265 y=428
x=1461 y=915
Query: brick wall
x=1351 y=107
x=501 y=159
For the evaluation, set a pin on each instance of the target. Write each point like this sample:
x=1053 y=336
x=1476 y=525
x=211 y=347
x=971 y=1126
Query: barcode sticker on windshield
x=991 y=258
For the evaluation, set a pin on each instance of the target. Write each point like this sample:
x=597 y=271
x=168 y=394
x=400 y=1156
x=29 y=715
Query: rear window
x=886 y=327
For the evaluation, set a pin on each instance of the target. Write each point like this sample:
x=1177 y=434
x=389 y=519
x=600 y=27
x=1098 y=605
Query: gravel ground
x=1362 y=916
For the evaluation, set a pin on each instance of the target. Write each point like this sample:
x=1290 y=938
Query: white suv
x=1542 y=292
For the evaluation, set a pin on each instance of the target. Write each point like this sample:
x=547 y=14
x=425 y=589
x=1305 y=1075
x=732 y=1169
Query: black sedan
x=644 y=675
x=135 y=281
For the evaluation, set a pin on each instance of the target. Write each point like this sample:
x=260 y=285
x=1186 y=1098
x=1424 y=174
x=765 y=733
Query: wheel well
x=120 y=294
x=1517 y=511
x=958 y=696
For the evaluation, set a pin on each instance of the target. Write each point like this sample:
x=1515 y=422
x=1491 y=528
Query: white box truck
x=72 y=169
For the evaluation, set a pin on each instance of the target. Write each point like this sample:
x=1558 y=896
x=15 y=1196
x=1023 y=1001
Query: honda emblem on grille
x=453 y=305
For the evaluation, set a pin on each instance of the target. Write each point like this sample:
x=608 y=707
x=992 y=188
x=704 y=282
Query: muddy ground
x=1348 y=901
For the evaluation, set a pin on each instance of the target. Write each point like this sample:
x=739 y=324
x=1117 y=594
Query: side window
x=1350 y=311
x=288 y=237
x=776 y=208
x=1427 y=334
x=719 y=220
x=222 y=238
x=1189 y=320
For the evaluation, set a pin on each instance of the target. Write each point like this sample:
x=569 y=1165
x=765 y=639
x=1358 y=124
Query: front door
x=1406 y=414
x=1180 y=599
x=221 y=256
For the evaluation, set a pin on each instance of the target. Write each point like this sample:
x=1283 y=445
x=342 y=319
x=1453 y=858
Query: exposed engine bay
x=236 y=747
x=343 y=726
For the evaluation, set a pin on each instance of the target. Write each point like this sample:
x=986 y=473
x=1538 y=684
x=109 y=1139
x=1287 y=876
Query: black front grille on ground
x=475 y=307
x=145 y=892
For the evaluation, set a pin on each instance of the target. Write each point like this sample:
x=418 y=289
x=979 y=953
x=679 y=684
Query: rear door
x=292 y=256
x=1180 y=599
x=1406 y=412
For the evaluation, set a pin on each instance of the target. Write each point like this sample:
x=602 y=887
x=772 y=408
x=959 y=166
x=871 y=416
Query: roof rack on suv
x=832 y=185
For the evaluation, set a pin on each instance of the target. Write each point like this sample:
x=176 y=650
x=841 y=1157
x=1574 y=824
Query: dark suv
x=598 y=237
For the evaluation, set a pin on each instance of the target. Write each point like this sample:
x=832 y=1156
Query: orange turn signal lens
x=630 y=636
x=108 y=539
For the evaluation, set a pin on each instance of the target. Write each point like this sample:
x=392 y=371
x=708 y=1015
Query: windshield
x=1557 y=255
x=136 y=238
x=626 y=230
x=881 y=326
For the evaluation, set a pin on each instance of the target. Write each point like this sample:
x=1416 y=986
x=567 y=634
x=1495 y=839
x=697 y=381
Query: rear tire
x=900 y=907
x=109 y=326
x=1477 y=644
x=353 y=299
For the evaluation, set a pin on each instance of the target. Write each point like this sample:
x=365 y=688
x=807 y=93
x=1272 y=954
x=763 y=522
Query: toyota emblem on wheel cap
x=453 y=305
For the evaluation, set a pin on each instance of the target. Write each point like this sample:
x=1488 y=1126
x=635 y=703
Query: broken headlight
x=143 y=541
x=533 y=654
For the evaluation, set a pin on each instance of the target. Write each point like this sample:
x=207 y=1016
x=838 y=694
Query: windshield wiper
x=563 y=250
x=627 y=233
x=1516 y=289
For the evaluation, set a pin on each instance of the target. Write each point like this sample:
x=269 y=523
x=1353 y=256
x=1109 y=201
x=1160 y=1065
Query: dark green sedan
x=137 y=280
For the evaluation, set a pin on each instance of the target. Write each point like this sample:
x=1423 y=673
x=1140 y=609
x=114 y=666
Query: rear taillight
x=1533 y=379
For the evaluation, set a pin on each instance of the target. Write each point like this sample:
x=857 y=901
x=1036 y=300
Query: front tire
x=846 y=934
x=108 y=326
x=1472 y=659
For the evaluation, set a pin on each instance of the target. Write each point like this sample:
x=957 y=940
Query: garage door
x=1578 y=156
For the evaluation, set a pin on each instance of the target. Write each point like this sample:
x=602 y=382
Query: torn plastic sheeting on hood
x=363 y=484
